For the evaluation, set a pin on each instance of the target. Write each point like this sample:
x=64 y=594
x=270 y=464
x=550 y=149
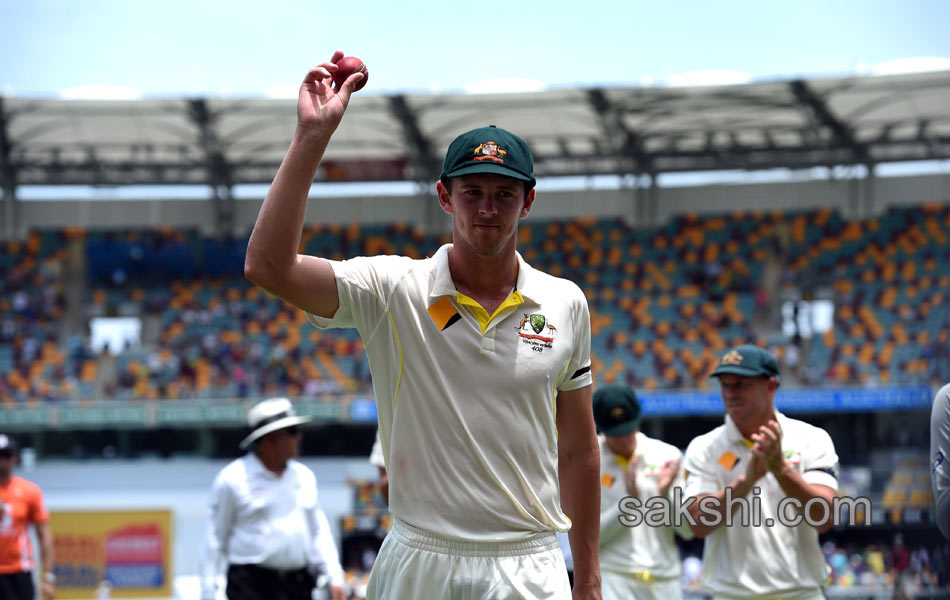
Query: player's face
x=485 y=210
x=623 y=445
x=748 y=400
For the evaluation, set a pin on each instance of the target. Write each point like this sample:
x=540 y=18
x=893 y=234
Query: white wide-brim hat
x=269 y=416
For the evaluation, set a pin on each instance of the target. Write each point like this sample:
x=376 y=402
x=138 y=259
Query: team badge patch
x=490 y=151
x=794 y=458
x=606 y=480
x=543 y=335
x=537 y=323
x=732 y=358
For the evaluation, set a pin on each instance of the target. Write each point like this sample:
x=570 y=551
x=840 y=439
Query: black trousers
x=17 y=586
x=251 y=582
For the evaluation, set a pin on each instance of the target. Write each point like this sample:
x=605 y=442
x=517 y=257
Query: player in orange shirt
x=21 y=504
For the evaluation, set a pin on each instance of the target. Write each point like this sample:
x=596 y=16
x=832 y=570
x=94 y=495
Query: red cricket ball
x=346 y=66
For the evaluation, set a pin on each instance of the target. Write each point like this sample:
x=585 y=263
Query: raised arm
x=272 y=261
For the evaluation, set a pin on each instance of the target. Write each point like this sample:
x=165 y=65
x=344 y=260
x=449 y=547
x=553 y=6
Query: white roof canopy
x=629 y=130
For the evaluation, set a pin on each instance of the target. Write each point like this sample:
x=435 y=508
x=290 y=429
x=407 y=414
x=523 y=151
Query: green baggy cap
x=616 y=410
x=489 y=150
x=748 y=361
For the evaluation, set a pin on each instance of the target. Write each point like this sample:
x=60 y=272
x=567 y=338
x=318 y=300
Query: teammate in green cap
x=638 y=561
x=781 y=464
x=480 y=365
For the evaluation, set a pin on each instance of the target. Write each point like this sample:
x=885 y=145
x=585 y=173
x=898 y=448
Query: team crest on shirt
x=937 y=461
x=490 y=151
x=794 y=458
x=544 y=330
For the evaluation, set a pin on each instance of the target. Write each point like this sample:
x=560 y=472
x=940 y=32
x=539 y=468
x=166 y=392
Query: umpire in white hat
x=265 y=521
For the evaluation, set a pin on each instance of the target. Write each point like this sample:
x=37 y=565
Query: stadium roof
x=615 y=130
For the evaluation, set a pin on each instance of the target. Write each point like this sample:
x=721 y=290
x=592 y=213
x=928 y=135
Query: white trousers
x=803 y=595
x=628 y=586
x=413 y=564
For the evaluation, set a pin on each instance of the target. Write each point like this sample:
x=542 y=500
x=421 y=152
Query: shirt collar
x=256 y=467
x=442 y=285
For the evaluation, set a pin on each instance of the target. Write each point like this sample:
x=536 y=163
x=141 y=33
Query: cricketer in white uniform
x=939 y=451
x=763 y=456
x=638 y=561
x=480 y=366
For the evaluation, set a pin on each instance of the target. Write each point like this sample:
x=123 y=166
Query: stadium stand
x=664 y=302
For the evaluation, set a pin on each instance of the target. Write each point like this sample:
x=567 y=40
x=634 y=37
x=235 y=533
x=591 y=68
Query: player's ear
x=528 y=202
x=445 y=197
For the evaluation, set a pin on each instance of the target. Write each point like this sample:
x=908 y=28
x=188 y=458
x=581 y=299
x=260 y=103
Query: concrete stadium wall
x=853 y=197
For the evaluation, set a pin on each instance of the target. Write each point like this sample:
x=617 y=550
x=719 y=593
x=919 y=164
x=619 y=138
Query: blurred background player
x=265 y=519
x=485 y=359
x=21 y=505
x=939 y=450
x=758 y=448
x=641 y=562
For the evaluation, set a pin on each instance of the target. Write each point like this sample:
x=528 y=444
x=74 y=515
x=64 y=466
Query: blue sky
x=240 y=48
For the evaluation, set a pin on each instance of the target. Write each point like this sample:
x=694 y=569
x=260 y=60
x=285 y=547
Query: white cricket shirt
x=644 y=549
x=939 y=452
x=767 y=562
x=261 y=519
x=466 y=401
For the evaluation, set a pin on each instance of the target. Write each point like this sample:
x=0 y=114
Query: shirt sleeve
x=698 y=471
x=38 y=512
x=220 y=519
x=610 y=513
x=363 y=285
x=577 y=374
x=939 y=450
x=820 y=462
x=683 y=530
